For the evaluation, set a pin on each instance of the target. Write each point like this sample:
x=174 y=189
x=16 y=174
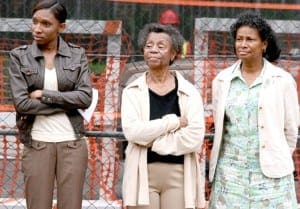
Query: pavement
x=9 y=203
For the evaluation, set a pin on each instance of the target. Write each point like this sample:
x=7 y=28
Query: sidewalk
x=86 y=204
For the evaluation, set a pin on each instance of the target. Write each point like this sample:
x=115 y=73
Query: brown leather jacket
x=27 y=73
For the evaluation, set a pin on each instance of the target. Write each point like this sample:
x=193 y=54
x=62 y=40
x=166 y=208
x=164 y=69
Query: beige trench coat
x=163 y=136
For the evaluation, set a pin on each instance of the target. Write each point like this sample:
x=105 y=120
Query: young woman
x=49 y=81
x=163 y=121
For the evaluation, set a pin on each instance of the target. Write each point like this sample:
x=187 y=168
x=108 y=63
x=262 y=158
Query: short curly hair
x=266 y=33
x=176 y=37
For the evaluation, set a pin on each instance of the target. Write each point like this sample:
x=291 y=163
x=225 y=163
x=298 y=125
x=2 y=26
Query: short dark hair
x=58 y=9
x=254 y=20
x=176 y=37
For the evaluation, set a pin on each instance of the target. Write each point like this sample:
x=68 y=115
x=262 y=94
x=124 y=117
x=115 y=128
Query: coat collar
x=269 y=70
x=142 y=84
x=63 y=49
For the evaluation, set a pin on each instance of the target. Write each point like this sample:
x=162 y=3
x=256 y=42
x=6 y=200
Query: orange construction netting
x=106 y=153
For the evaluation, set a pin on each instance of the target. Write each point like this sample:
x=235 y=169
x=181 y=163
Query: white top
x=52 y=128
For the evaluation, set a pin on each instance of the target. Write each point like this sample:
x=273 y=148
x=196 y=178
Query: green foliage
x=97 y=67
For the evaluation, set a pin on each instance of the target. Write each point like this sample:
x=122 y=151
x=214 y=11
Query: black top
x=160 y=106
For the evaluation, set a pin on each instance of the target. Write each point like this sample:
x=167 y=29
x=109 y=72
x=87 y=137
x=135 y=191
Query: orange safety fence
x=11 y=177
x=111 y=73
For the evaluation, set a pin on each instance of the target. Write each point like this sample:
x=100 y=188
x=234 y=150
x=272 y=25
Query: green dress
x=239 y=182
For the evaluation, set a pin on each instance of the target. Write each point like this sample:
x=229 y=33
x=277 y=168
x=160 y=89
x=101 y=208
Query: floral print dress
x=239 y=182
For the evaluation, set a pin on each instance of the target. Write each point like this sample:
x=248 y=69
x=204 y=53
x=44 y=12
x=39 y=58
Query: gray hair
x=176 y=37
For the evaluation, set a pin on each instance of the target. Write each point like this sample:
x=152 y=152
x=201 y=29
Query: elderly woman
x=256 y=115
x=162 y=119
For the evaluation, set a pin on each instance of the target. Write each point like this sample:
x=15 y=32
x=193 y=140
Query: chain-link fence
x=108 y=31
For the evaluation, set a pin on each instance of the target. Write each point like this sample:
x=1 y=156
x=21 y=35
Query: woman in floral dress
x=256 y=115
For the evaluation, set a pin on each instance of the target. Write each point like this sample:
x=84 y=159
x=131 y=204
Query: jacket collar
x=63 y=49
x=269 y=70
x=142 y=84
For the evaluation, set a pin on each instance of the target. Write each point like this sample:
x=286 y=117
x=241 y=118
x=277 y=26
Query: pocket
x=38 y=145
x=78 y=149
x=74 y=144
x=29 y=156
x=29 y=74
x=72 y=72
x=81 y=143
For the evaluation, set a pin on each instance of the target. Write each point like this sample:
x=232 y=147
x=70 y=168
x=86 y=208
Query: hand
x=37 y=94
x=183 y=122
